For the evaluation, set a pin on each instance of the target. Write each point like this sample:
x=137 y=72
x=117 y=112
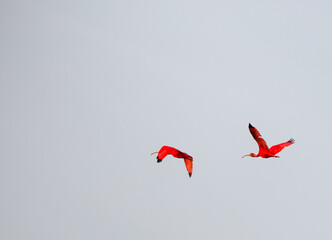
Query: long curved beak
x=154 y=153
x=246 y=155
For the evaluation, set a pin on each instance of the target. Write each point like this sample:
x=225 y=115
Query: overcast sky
x=90 y=88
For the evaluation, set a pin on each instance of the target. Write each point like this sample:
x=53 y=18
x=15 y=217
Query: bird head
x=250 y=155
x=158 y=159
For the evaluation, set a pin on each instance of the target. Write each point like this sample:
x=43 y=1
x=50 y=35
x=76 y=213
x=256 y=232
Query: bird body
x=264 y=150
x=166 y=150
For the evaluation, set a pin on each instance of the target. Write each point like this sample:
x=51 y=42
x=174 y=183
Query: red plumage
x=165 y=150
x=264 y=150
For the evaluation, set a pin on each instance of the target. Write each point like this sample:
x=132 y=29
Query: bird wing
x=189 y=166
x=163 y=152
x=277 y=148
x=258 y=137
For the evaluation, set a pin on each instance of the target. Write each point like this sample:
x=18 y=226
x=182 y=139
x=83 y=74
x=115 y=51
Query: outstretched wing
x=166 y=150
x=277 y=148
x=163 y=152
x=258 y=137
x=189 y=166
x=188 y=160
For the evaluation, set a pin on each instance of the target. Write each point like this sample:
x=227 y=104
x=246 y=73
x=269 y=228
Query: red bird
x=264 y=150
x=165 y=150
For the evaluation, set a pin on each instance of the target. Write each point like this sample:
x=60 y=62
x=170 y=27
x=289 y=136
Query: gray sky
x=90 y=89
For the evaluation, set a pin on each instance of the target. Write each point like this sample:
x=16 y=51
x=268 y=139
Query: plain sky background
x=90 y=88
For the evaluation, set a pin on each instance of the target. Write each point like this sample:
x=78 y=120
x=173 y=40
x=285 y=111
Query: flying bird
x=264 y=150
x=165 y=150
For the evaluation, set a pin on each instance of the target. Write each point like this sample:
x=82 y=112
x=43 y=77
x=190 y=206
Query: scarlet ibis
x=264 y=150
x=165 y=150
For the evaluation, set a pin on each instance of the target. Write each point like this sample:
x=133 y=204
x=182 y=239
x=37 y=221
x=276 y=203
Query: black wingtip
x=250 y=126
x=292 y=140
x=190 y=174
x=158 y=159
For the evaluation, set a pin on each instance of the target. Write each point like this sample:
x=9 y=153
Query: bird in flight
x=264 y=150
x=165 y=150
